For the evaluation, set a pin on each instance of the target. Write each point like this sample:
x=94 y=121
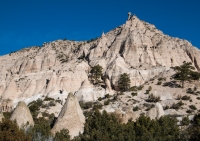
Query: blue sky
x=25 y=23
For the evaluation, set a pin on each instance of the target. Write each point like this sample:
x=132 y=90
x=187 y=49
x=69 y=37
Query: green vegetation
x=124 y=82
x=134 y=93
x=107 y=127
x=107 y=102
x=86 y=105
x=96 y=73
x=185 y=97
x=9 y=131
x=177 y=105
x=136 y=108
x=63 y=135
x=193 y=107
x=185 y=121
x=63 y=58
x=185 y=73
x=152 y=98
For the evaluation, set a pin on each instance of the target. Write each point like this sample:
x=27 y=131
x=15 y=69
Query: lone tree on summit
x=124 y=82
x=185 y=73
x=96 y=73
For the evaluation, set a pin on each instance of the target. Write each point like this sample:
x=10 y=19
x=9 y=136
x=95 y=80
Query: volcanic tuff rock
x=71 y=117
x=61 y=66
x=156 y=112
x=22 y=116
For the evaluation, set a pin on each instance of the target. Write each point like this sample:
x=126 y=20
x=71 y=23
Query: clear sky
x=25 y=23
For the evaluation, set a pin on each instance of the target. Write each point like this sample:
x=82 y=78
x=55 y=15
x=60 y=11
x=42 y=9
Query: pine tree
x=185 y=73
x=124 y=82
x=96 y=73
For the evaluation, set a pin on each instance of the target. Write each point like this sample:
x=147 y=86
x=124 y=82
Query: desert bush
x=136 y=108
x=107 y=102
x=185 y=121
x=193 y=107
x=134 y=93
x=185 y=97
x=177 y=105
x=86 y=105
x=159 y=83
x=153 y=98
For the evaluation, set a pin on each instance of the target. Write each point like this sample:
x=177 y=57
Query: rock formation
x=6 y=105
x=156 y=112
x=71 y=117
x=61 y=66
x=88 y=92
x=22 y=116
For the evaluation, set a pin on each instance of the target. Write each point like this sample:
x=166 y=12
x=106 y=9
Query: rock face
x=88 y=92
x=71 y=117
x=156 y=112
x=22 y=116
x=136 y=48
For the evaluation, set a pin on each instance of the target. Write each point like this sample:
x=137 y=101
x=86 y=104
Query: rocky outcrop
x=156 y=112
x=22 y=116
x=71 y=117
x=88 y=92
x=136 y=48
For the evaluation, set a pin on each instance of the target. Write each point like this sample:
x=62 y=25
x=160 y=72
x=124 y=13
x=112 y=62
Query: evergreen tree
x=185 y=72
x=63 y=135
x=96 y=73
x=9 y=131
x=124 y=82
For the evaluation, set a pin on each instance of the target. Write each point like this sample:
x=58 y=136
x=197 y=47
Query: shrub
x=134 y=88
x=177 y=105
x=7 y=115
x=86 y=105
x=161 y=79
x=136 y=108
x=153 y=98
x=140 y=87
x=134 y=94
x=97 y=106
x=159 y=83
x=63 y=135
x=107 y=96
x=193 y=107
x=48 y=98
x=198 y=98
x=147 y=92
x=185 y=121
x=185 y=97
x=189 y=111
x=107 y=102
x=52 y=103
x=9 y=131
x=150 y=88
x=190 y=91
x=99 y=98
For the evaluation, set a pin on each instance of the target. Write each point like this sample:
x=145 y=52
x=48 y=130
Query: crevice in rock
x=195 y=64
x=121 y=50
x=188 y=54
